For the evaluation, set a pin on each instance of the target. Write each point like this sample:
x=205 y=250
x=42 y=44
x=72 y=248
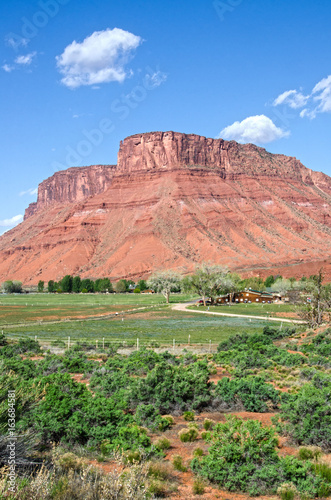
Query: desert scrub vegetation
x=70 y=478
x=243 y=457
x=129 y=397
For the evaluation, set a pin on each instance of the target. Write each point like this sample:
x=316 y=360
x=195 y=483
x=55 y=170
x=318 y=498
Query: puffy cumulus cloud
x=25 y=60
x=322 y=94
x=293 y=98
x=100 y=58
x=257 y=129
x=10 y=223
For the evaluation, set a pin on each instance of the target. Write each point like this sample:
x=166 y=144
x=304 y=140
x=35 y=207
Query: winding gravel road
x=183 y=308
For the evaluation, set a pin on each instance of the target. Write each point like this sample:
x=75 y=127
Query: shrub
x=162 y=444
x=250 y=392
x=198 y=487
x=132 y=457
x=178 y=464
x=159 y=470
x=188 y=416
x=287 y=491
x=69 y=461
x=170 y=419
x=308 y=415
x=243 y=457
x=208 y=423
x=198 y=452
x=206 y=435
x=188 y=435
x=159 y=489
x=149 y=416
x=309 y=452
x=323 y=470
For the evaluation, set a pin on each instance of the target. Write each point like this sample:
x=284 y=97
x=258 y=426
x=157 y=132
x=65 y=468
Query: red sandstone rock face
x=173 y=201
x=72 y=185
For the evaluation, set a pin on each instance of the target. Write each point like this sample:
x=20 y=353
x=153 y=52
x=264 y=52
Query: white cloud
x=155 y=79
x=319 y=101
x=25 y=60
x=14 y=41
x=293 y=98
x=322 y=93
x=7 y=68
x=31 y=192
x=100 y=58
x=257 y=129
x=11 y=222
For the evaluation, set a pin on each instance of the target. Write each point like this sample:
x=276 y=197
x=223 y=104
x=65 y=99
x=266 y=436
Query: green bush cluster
x=243 y=457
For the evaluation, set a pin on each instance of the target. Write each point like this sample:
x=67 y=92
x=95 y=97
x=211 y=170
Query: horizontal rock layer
x=173 y=201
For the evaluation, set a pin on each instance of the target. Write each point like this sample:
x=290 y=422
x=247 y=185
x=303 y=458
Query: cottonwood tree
x=12 y=286
x=316 y=301
x=165 y=282
x=209 y=281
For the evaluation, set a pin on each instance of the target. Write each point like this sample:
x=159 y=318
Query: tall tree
x=121 y=286
x=41 y=285
x=165 y=282
x=76 y=284
x=51 y=286
x=316 y=301
x=209 y=281
x=66 y=283
x=12 y=286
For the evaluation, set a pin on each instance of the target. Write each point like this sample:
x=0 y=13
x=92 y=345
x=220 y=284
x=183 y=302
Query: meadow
x=57 y=317
x=269 y=310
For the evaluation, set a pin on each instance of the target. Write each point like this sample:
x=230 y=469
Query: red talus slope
x=173 y=201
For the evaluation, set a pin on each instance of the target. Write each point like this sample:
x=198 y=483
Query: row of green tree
x=74 y=284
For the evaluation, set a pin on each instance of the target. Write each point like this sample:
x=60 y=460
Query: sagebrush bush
x=198 y=452
x=208 y=423
x=159 y=470
x=188 y=435
x=309 y=452
x=178 y=463
x=287 y=491
x=162 y=444
x=188 y=416
x=198 y=487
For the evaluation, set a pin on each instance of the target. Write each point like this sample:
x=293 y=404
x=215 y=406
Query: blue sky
x=79 y=76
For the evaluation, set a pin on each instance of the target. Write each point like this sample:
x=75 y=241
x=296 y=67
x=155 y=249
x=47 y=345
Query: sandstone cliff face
x=174 y=200
x=171 y=150
x=72 y=185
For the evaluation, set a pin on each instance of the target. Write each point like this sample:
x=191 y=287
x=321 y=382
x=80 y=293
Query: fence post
x=173 y=345
x=96 y=344
x=189 y=339
x=103 y=343
x=68 y=342
x=137 y=344
x=35 y=338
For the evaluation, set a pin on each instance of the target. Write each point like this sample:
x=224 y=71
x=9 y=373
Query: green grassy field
x=63 y=316
x=272 y=310
x=48 y=307
x=160 y=325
